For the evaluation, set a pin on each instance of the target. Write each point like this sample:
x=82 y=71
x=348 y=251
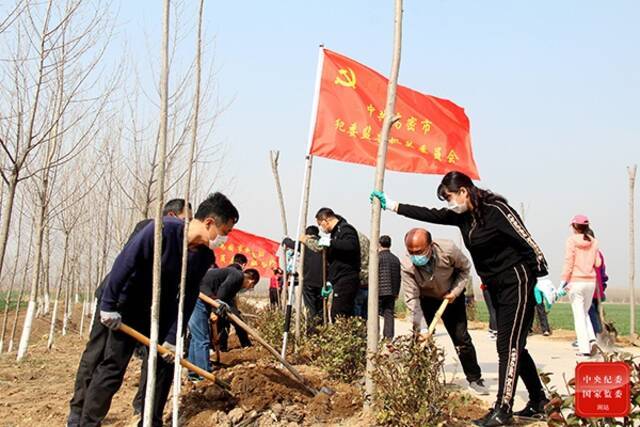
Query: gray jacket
x=448 y=271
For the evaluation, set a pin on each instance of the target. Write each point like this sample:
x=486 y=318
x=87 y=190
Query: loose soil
x=36 y=391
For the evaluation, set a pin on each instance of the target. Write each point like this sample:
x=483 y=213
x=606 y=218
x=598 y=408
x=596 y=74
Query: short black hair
x=253 y=274
x=325 y=213
x=312 y=230
x=175 y=206
x=218 y=207
x=385 y=241
x=240 y=259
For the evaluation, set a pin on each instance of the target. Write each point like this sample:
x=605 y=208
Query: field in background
x=561 y=317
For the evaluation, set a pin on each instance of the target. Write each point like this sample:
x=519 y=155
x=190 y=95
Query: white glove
x=169 y=357
x=111 y=319
x=547 y=291
x=324 y=241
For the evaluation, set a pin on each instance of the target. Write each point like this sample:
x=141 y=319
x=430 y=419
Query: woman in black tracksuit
x=509 y=262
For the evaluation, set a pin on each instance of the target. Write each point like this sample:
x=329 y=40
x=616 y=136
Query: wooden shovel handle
x=162 y=350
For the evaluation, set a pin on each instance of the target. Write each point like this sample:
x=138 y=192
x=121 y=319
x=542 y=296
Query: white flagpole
x=304 y=200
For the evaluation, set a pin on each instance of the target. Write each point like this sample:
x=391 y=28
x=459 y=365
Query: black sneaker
x=498 y=417
x=533 y=410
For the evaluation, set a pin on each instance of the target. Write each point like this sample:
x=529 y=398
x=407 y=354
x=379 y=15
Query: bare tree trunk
x=275 y=157
x=6 y=216
x=23 y=285
x=305 y=214
x=185 y=241
x=157 y=242
x=47 y=265
x=35 y=277
x=13 y=277
x=372 y=320
x=632 y=250
x=54 y=313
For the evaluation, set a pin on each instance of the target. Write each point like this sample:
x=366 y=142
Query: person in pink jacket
x=579 y=279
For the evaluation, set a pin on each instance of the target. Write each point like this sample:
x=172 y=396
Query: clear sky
x=551 y=89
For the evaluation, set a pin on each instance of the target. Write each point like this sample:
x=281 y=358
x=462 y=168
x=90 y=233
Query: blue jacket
x=129 y=287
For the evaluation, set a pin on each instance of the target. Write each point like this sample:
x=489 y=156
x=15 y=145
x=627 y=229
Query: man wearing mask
x=222 y=284
x=99 y=332
x=433 y=271
x=127 y=298
x=343 y=256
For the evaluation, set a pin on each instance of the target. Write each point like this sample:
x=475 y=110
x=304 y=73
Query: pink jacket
x=581 y=259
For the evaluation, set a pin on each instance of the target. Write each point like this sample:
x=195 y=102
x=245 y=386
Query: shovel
x=215 y=338
x=185 y=363
x=270 y=349
x=436 y=318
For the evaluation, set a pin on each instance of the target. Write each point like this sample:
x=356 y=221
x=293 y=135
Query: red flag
x=432 y=135
x=260 y=251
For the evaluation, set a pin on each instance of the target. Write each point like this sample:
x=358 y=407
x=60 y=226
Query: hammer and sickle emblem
x=346 y=77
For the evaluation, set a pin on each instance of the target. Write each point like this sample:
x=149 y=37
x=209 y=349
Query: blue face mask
x=419 y=260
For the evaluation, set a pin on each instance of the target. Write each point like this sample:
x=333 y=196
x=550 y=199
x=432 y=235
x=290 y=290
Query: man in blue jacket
x=127 y=298
x=94 y=348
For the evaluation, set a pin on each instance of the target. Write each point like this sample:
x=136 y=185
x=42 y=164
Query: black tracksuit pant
x=455 y=322
x=344 y=296
x=512 y=296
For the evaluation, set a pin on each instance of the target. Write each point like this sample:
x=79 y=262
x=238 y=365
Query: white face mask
x=452 y=205
x=217 y=242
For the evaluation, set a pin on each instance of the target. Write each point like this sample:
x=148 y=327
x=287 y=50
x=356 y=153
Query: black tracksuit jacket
x=497 y=242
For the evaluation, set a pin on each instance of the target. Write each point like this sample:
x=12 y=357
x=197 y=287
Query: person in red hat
x=579 y=279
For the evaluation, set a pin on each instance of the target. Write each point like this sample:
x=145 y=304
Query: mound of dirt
x=263 y=394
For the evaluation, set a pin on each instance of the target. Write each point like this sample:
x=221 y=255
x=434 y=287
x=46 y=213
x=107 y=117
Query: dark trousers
x=344 y=295
x=455 y=322
x=361 y=303
x=542 y=317
x=313 y=303
x=491 y=309
x=274 y=299
x=512 y=296
x=387 y=310
x=595 y=317
x=143 y=353
x=90 y=359
x=224 y=328
x=100 y=375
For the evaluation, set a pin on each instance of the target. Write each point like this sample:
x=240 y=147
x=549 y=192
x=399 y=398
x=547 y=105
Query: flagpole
x=389 y=117
x=304 y=200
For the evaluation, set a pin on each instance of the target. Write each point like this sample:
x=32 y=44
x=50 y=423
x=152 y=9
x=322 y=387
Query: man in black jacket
x=222 y=284
x=127 y=298
x=343 y=256
x=388 y=283
x=94 y=349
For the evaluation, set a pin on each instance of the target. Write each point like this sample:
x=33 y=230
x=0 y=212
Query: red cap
x=580 y=220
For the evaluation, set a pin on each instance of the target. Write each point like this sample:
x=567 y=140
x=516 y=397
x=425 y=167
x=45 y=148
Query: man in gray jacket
x=431 y=272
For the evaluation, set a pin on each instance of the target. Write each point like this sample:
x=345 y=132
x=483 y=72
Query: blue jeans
x=361 y=303
x=200 y=338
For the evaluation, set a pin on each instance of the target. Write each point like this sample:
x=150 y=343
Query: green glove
x=380 y=196
x=326 y=290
